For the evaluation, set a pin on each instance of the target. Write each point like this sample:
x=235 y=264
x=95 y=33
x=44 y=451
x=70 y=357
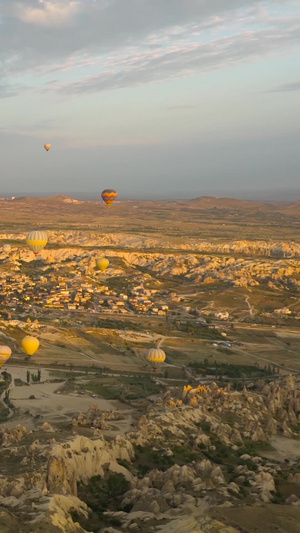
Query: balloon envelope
x=109 y=196
x=30 y=344
x=102 y=263
x=156 y=355
x=36 y=241
x=47 y=146
x=5 y=353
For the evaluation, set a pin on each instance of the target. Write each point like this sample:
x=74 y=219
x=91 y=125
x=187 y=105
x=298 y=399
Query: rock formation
x=183 y=440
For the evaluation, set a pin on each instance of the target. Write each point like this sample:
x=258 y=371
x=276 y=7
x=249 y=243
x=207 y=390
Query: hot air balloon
x=109 y=196
x=6 y=248
x=102 y=263
x=30 y=344
x=36 y=241
x=156 y=356
x=5 y=353
x=47 y=147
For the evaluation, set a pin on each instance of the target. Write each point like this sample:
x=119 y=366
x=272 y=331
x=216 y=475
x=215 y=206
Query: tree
x=117 y=484
x=28 y=376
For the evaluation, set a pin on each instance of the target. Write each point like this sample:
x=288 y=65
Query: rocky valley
x=192 y=451
x=94 y=437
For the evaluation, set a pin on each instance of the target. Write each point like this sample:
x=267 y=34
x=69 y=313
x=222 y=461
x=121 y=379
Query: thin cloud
x=113 y=44
x=6 y=92
x=183 y=59
x=286 y=87
x=40 y=31
x=8 y=89
x=48 y=13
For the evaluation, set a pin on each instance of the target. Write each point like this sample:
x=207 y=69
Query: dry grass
x=267 y=518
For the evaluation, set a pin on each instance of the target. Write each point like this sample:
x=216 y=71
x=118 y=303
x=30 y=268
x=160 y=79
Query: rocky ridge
x=194 y=444
x=270 y=265
x=144 y=242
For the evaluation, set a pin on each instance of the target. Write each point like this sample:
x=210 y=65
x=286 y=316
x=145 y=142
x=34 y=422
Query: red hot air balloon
x=109 y=196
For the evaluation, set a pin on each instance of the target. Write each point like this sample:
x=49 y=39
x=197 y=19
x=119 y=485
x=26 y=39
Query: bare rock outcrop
x=48 y=428
x=21 y=485
x=82 y=458
x=187 y=430
x=95 y=418
x=14 y=435
x=170 y=489
x=61 y=508
x=264 y=484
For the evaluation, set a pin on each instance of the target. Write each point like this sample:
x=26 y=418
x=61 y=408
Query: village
x=38 y=290
x=21 y=294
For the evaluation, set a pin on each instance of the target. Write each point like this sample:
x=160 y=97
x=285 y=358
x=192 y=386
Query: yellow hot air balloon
x=36 y=241
x=156 y=356
x=5 y=353
x=47 y=147
x=30 y=344
x=102 y=263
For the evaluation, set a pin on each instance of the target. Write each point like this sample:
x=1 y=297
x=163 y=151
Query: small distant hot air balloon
x=109 y=196
x=36 y=241
x=6 y=248
x=102 y=263
x=47 y=147
x=5 y=353
x=30 y=344
x=156 y=356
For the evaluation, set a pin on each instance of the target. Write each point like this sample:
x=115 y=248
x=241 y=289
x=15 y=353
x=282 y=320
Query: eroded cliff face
x=60 y=510
x=198 y=262
x=186 y=431
x=253 y=415
x=130 y=241
x=80 y=459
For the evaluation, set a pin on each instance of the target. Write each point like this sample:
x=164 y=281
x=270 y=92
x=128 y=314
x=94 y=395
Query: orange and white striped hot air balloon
x=109 y=196
x=5 y=353
x=156 y=356
x=36 y=241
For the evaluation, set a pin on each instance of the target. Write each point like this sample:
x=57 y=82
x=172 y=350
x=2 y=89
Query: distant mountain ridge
x=201 y=202
x=45 y=199
x=215 y=201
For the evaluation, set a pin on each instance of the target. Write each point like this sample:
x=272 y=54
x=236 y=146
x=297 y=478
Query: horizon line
x=84 y=197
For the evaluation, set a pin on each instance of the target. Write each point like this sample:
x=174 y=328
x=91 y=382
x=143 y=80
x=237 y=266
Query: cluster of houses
x=21 y=293
x=18 y=291
x=140 y=301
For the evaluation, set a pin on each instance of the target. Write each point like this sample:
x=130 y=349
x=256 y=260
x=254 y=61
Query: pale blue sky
x=157 y=98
